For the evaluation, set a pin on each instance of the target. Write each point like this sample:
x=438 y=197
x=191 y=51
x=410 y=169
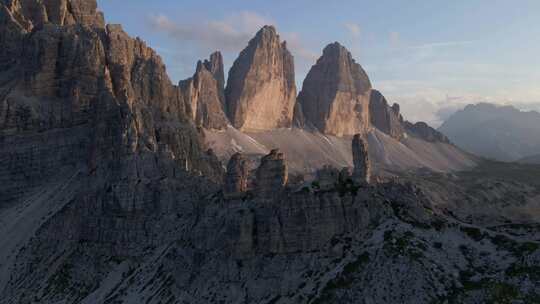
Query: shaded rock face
x=237 y=176
x=272 y=174
x=261 y=90
x=335 y=94
x=425 y=132
x=362 y=166
x=35 y=13
x=84 y=98
x=385 y=118
x=327 y=177
x=204 y=92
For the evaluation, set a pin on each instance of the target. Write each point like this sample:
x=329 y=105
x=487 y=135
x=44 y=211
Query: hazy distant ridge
x=499 y=132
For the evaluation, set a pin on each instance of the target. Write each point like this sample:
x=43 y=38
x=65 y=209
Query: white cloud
x=231 y=33
x=228 y=35
x=421 y=101
x=354 y=29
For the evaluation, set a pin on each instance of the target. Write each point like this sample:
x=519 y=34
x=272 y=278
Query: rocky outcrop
x=327 y=177
x=237 y=176
x=384 y=117
x=362 y=165
x=205 y=94
x=261 y=89
x=271 y=175
x=215 y=65
x=335 y=94
x=91 y=101
x=31 y=14
x=424 y=131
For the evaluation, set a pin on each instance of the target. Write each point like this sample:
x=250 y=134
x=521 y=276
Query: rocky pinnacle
x=205 y=94
x=261 y=90
x=272 y=174
x=362 y=166
x=236 y=179
x=335 y=94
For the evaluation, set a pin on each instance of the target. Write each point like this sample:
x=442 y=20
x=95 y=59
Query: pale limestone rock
x=335 y=95
x=205 y=94
x=261 y=90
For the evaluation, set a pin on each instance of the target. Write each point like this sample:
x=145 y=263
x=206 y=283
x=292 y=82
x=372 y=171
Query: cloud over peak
x=228 y=34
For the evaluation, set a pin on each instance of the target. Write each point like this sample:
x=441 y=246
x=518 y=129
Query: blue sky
x=432 y=57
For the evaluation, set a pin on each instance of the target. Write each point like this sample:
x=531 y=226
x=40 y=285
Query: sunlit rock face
x=335 y=94
x=261 y=90
x=205 y=94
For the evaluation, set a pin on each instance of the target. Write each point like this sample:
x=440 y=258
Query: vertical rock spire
x=335 y=94
x=236 y=179
x=261 y=90
x=362 y=166
x=204 y=92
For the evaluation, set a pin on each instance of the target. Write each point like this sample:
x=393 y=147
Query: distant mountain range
x=497 y=132
x=534 y=159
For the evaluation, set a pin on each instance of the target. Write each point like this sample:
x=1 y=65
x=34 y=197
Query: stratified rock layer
x=272 y=174
x=385 y=118
x=261 y=89
x=335 y=95
x=205 y=93
x=89 y=110
x=362 y=166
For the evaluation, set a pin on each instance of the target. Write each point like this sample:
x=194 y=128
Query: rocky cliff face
x=90 y=125
x=384 y=117
x=272 y=174
x=35 y=14
x=336 y=92
x=362 y=165
x=261 y=89
x=236 y=179
x=425 y=132
x=107 y=197
x=205 y=93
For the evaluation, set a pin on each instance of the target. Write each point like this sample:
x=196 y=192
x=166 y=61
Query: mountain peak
x=336 y=92
x=205 y=94
x=261 y=90
x=267 y=30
